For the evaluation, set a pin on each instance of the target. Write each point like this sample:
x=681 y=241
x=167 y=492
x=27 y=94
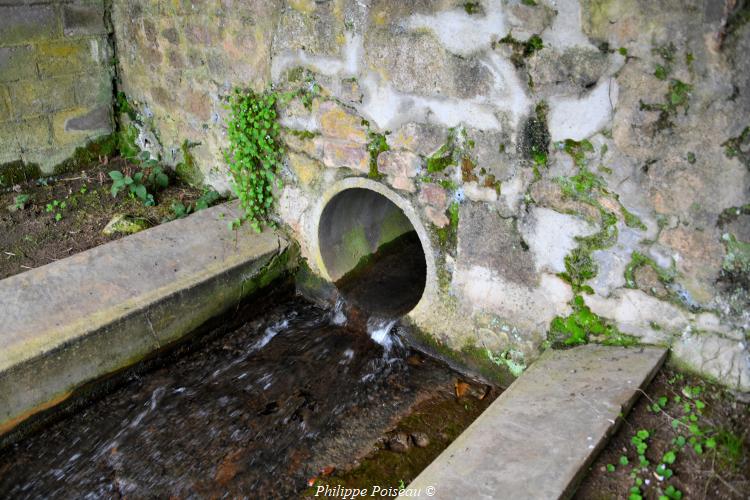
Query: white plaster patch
x=724 y=359
x=461 y=33
x=512 y=192
x=551 y=236
x=325 y=65
x=612 y=261
x=389 y=109
x=634 y=311
x=475 y=192
x=578 y=119
x=566 y=28
x=530 y=307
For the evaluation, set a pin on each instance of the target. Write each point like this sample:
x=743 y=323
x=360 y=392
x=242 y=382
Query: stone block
x=69 y=57
x=31 y=98
x=33 y=133
x=82 y=20
x=5 y=111
x=487 y=240
x=95 y=89
x=17 y=63
x=9 y=148
x=344 y=154
x=305 y=168
x=28 y=23
x=398 y=164
x=434 y=196
x=339 y=123
x=76 y=125
x=422 y=138
x=403 y=183
x=197 y=103
x=400 y=55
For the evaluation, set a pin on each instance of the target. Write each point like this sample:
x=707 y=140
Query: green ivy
x=255 y=152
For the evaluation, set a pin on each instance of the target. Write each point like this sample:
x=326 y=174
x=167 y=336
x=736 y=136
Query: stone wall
x=572 y=166
x=55 y=80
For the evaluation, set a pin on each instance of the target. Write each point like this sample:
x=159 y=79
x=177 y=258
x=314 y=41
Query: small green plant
x=134 y=186
x=56 y=207
x=207 y=199
x=20 y=201
x=180 y=210
x=150 y=178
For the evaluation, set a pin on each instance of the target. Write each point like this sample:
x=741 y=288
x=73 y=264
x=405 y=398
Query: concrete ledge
x=540 y=435
x=75 y=320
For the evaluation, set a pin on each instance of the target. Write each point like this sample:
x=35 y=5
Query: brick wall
x=55 y=79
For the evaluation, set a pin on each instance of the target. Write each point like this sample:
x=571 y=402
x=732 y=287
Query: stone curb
x=94 y=313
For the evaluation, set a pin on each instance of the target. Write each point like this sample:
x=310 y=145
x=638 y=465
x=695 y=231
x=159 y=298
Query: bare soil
x=718 y=468
x=31 y=237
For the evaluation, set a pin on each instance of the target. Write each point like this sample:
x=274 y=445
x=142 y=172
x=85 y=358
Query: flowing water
x=253 y=409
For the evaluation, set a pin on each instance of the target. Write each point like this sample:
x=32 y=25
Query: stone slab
x=538 y=438
x=77 y=319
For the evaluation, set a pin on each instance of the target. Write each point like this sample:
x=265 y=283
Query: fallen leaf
x=461 y=388
x=327 y=471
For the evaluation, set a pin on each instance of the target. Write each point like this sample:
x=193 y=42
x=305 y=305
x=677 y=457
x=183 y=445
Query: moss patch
x=84 y=156
x=187 y=170
x=521 y=50
x=17 y=172
x=733 y=147
x=637 y=260
x=583 y=326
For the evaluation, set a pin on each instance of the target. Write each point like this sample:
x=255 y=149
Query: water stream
x=254 y=409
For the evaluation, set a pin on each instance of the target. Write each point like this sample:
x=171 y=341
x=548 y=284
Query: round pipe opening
x=372 y=252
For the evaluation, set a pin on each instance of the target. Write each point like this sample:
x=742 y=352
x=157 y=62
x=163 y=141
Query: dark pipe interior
x=372 y=252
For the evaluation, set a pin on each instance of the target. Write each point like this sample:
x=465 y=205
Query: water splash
x=379 y=330
x=338 y=316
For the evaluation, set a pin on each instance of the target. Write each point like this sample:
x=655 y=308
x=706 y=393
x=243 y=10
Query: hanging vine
x=255 y=153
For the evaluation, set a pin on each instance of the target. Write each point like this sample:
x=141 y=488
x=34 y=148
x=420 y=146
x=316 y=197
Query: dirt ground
x=693 y=437
x=41 y=231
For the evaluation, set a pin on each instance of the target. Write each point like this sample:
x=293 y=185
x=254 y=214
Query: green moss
x=731 y=214
x=536 y=138
x=84 y=156
x=638 y=260
x=737 y=259
x=447 y=235
x=17 y=172
x=470 y=357
x=126 y=142
x=522 y=50
x=187 y=170
x=123 y=106
x=394 y=224
x=444 y=156
x=582 y=326
x=355 y=245
x=472 y=8
x=377 y=145
x=580 y=265
x=631 y=220
x=733 y=147
x=676 y=99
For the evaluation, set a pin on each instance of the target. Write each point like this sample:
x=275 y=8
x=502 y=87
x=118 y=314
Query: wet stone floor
x=284 y=397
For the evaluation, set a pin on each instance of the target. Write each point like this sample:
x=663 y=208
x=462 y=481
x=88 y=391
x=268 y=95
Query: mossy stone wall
x=56 y=71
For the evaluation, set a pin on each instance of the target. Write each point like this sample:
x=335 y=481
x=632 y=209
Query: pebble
x=399 y=442
x=420 y=439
